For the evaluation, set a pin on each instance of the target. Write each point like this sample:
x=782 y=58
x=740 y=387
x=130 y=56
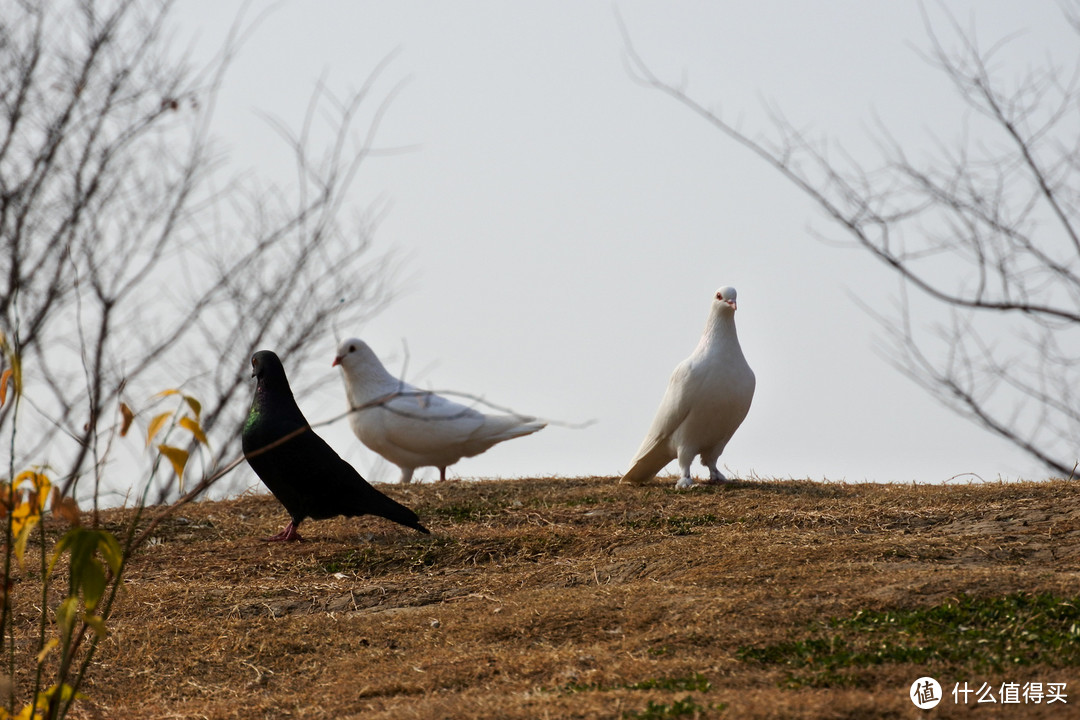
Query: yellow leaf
x=14 y=372
x=45 y=650
x=23 y=534
x=196 y=406
x=155 y=426
x=29 y=504
x=127 y=415
x=192 y=425
x=4 y=379
x=25 y=475
x=177 y=457
x=40 y=494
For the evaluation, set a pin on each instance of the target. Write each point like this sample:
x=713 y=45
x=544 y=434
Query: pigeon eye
x=719 y=296
x=352 y=348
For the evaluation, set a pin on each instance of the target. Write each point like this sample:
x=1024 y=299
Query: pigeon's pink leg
x=289 y=534
x=442 y=474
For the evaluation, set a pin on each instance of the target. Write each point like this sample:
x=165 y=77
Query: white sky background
x=563 y=229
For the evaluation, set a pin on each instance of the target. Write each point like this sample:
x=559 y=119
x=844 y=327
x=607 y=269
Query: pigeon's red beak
x=337 y=361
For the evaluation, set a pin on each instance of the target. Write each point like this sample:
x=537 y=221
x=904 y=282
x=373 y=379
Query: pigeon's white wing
x=420 y=405
x=413 y=428
x=657 y=450
x=416 y=431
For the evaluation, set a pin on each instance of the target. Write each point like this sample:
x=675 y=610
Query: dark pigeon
x=302 y=471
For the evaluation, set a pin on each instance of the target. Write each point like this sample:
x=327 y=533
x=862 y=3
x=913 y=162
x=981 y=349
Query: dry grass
x=573 y=598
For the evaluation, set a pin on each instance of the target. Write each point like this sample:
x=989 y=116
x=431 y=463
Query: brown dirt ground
x=547 y=598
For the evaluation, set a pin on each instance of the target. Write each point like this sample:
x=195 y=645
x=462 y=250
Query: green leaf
x=109 y=547
x=66 y=614
x=97 y=623
x=82 y=552
x=91 y=582
x=62 y=545
x=83 y=543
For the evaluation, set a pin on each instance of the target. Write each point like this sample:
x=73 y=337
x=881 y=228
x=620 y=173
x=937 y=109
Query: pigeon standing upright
x=301 y=470
x=707 y=399
x=413 y=428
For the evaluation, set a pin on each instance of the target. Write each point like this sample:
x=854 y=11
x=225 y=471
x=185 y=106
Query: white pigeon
x=707 y=399
x=414 y=428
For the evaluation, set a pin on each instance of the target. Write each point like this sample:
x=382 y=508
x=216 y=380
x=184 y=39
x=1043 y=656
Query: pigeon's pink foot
x=289 y=534
x=442 y=475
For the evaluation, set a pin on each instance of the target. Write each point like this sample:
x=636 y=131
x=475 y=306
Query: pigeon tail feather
x=400 y=514
x=647 y=464
x=508 y=427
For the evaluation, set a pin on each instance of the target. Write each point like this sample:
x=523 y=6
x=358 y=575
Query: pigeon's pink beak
x=337 y=361
x=732 y=304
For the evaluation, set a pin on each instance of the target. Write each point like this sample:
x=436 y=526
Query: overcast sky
x=562 y=229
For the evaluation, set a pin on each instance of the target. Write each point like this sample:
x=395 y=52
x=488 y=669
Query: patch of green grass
x=806 y=488
x=372 y=559
x=678 y=524
x=697 y=681
x=588 y=500
x=458 y=512
x=686 y=707
x=422 y=554
x=352 y=560
x=529 y=547
x=980 y=634
x=685 y=524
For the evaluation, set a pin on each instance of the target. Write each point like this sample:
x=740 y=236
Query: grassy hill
x=581 y=598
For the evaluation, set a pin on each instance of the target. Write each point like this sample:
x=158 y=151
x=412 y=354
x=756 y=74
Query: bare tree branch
x=130 y=263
